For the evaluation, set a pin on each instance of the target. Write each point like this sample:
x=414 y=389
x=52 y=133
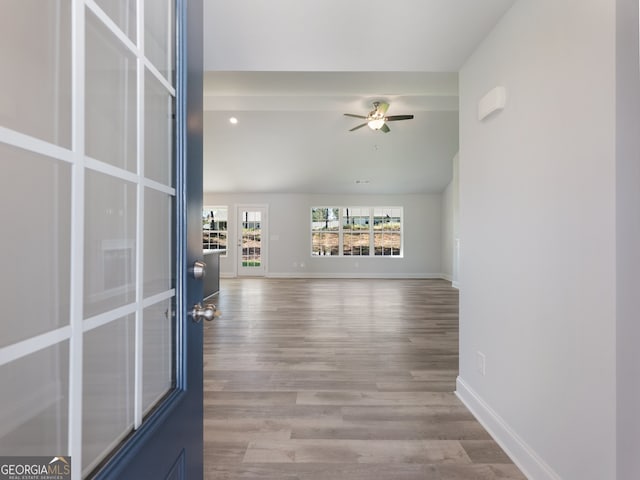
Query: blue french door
x=100 y=202
x=169 y=444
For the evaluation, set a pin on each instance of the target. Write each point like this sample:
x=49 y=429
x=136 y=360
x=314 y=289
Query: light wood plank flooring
x=340 y=380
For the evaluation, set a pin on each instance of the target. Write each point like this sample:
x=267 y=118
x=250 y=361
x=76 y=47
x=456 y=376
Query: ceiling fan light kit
x=376 y=124
x=377 y=119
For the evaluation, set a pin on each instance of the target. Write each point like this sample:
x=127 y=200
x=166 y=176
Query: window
x=325 y=227
x=356 y=231
x=356 y=235
x=214 y=228
x=387 y=231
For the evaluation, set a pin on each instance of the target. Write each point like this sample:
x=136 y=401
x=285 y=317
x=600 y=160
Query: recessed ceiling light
x=233 y=120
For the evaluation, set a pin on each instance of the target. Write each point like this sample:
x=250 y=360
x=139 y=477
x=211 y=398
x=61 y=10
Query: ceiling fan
x=376 y=120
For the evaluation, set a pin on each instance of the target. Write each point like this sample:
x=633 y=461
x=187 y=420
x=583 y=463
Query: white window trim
x=214 y=207
x=341 y=232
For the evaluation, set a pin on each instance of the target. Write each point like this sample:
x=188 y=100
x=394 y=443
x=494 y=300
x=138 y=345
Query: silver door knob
x=199 y=270
x=208 y=312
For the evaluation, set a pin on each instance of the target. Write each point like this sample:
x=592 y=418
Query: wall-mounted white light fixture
x=492 y=102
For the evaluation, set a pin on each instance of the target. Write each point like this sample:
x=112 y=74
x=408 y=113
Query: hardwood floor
x=340 y=380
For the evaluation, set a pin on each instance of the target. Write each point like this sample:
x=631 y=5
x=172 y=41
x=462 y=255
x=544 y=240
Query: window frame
x=343 y=232
x=209 y=208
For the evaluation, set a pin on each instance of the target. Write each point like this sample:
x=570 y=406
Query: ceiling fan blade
x=398 y=117
x=384 y=128
x=354 y=116
x=382 y=108
x=359 y=126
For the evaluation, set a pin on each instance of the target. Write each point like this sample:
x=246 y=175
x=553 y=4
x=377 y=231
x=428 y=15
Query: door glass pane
x=110 y=243
x=157 y=242
x=108 y=388
x=158 y=145
x=157 y=351
x=251 y=239
x=158 y=35
x=123 y=13
x=110 y=105
x=36 y=242
x=35 y=396
x=36 y=78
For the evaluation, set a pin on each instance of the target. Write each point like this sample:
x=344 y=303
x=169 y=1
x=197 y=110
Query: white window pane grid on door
x=251 y=239
x=54 y=137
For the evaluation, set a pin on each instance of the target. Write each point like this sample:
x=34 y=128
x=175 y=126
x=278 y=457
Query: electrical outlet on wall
x=481 y=363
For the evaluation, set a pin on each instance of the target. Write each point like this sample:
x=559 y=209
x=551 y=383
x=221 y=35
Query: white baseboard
x=446 y=276
x=534 y=467
x=455 y=285
x=354 y=275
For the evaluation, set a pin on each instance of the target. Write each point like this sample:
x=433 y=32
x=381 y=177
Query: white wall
x=537 y=220
x=290 y=237
x=628 y=240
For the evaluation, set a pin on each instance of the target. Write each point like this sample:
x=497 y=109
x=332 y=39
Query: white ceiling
x=289 y=69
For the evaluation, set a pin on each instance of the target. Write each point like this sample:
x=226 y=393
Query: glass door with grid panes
x=94 y=335
x=252 y=225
